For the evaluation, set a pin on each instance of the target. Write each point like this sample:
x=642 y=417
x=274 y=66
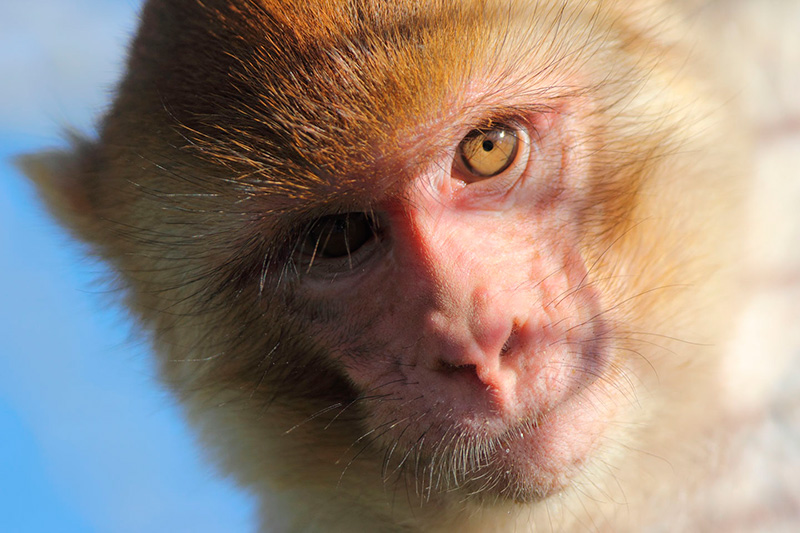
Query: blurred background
x=88 y=440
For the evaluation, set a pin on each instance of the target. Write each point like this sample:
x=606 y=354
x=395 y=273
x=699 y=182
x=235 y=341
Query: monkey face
x=439 y=239
x=480 y=339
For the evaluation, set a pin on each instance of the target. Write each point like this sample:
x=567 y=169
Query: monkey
x=433 y=264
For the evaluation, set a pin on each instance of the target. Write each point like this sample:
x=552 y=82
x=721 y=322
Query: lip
x=533 y=460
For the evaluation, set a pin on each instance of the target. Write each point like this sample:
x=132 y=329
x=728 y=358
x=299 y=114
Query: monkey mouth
x=522 y=458
x=526 y=463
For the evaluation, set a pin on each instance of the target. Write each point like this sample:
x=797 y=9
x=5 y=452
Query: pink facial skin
x=487 y=338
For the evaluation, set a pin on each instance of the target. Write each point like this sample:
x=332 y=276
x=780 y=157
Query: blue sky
x=88 y=440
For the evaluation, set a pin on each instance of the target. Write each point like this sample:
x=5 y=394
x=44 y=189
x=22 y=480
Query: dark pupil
x=488 y=145
x=338 y=235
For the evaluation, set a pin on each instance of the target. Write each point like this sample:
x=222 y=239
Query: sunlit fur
x=240 y=121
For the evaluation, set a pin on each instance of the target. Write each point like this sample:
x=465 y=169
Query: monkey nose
x=482 y=361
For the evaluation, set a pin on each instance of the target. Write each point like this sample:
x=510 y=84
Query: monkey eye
x=337 y=236
x=487 y=152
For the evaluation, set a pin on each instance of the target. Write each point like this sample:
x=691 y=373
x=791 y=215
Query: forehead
x=342 y=76
x=314 y=95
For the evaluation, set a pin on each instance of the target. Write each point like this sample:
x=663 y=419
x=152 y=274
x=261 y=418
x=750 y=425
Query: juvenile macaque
x=432 y=265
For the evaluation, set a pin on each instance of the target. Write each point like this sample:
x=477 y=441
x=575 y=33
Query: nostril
x=449 y=369
x=512 y=337
x=506 y=347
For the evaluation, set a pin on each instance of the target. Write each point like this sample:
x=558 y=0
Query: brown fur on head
x=239 y=122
